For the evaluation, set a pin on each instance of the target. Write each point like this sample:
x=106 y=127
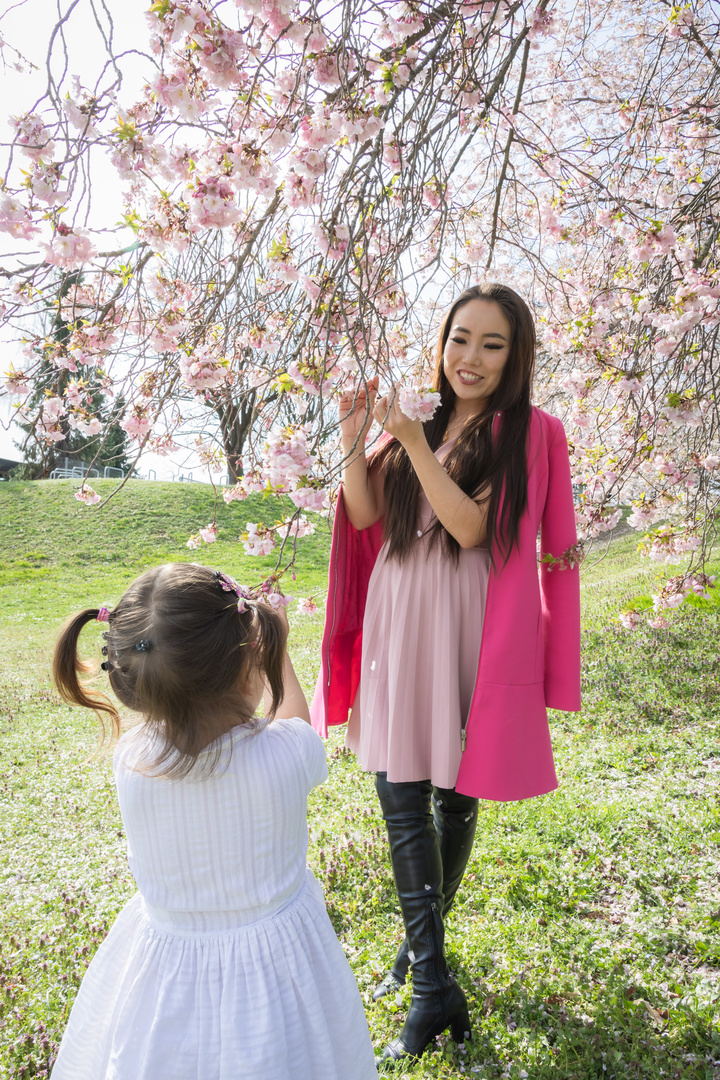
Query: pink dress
x=421 y=646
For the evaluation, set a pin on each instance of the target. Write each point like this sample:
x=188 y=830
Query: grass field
x=586 y=932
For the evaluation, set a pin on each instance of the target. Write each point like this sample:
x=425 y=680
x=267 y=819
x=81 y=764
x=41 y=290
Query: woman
x=439 y=634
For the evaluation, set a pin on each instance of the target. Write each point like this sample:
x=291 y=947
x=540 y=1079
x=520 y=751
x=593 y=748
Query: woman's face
x=476 y=352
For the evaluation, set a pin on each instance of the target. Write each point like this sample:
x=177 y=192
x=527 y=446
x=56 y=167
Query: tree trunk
x=236 y=419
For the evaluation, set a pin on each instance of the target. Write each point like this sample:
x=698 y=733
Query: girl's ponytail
x=67 y=664
x=270 y=650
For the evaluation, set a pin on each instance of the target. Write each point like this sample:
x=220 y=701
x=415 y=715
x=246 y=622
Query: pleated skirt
x=422 y=633
x=271 y=1000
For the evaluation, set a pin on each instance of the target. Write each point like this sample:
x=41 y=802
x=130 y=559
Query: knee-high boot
x=437 y=1001
x=455 y=818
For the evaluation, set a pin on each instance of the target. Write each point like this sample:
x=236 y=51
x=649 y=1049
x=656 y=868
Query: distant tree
x=88 y=427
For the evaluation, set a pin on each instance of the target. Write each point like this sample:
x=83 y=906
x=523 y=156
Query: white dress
x=225 y=965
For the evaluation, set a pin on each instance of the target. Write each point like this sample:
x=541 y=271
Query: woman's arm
x=463 y=518
x=362 y=490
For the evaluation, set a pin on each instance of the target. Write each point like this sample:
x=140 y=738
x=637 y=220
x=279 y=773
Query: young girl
x=439 y=634
x=224 y=966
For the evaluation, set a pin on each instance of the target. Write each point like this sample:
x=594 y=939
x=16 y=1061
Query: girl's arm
x=362 y=489
x=294 y=702
x=463 y=518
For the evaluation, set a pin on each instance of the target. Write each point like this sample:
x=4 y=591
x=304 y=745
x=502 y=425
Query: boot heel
x=460 y=1029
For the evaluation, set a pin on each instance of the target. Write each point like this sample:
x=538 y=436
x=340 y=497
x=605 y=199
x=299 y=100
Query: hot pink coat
x=530 y=650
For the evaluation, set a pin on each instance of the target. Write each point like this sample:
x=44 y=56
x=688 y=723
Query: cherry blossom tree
x=307 y=185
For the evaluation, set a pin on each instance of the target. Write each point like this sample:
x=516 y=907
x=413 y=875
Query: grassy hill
x=586 y=932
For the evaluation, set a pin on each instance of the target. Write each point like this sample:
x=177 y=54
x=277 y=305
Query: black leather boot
x=437 y=1001
x=455 y=818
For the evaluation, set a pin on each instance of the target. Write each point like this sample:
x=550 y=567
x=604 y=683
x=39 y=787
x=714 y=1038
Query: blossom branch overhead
x=305 y=186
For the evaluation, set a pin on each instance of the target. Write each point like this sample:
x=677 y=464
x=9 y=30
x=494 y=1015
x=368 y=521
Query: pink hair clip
x=103 y=615
x=229 y=585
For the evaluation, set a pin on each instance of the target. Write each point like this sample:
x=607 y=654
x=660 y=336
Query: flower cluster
x=201 y=370
x=307 y=605
x=296 y=528
x=258 y=539
x=86 y=495
x=570 y=558
x=419 y=403
x=69 y=248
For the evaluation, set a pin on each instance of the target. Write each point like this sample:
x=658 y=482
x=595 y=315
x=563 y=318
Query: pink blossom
x=53 y=408
x=309 y=286
x=277 y=600
x=15 y=218
x=712 y=461
x=419 y=403
x=432 y=196
x=69 y=248
x=642 y=516
x=258 y=540
x=391 y=154
x=73 y=393
x=259 y=338
x=162 y=445
x=299 y=190
x=307 y=606
x=33 y=138
x=137 y=423
x=326 y=71
x=93 y=426
x=44 y=182
x=209 y=534
x=173 y=92
x=391 y=301
x=630 y=619
x=309 y=163
x=310 y=498
x=212 y=203
x=79 y=114
x=286 y=458
x=296 y=528
x=237 y=492
x=16 y=382
x=87 y=495
x=202 y=371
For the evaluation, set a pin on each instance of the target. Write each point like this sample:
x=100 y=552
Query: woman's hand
x=355 y=410
x=393 y=420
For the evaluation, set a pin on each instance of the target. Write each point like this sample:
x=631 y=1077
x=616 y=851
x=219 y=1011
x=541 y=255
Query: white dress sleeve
x=311 y=749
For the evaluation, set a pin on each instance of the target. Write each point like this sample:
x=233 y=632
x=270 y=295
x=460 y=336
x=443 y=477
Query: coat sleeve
x=560 y=583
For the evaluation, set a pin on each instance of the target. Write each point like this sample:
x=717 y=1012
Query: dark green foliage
x=108 y=448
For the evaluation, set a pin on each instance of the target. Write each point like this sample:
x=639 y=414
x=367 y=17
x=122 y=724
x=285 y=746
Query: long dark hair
x=195 y=645
x=485 y=454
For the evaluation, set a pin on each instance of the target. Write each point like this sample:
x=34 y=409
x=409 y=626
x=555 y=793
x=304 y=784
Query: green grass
x=586 y=932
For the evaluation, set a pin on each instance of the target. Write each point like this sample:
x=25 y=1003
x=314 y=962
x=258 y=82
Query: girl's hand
x=356 y=412
x=393 y=420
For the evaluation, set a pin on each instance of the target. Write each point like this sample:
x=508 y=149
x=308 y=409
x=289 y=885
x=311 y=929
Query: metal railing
x=76 y=473
x=72 y=470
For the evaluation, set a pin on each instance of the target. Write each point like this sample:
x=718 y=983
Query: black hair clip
x=106 y=665
x=105 y=635
x=104 y=650
x=143 y=645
